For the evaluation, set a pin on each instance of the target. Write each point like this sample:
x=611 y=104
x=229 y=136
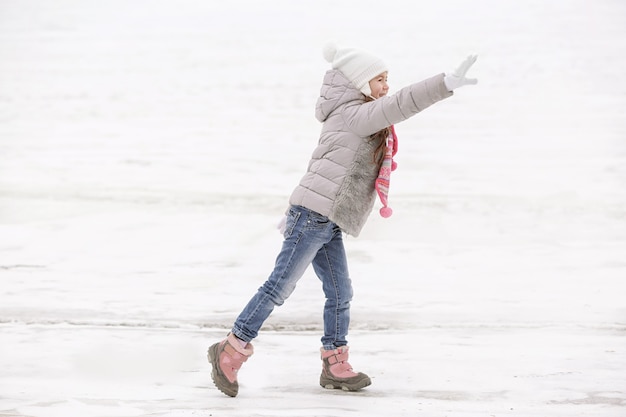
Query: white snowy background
x=148 y=148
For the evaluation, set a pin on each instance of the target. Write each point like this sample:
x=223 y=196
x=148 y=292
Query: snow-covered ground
x=147 y=150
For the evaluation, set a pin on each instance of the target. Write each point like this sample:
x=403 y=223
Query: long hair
x=380 y=142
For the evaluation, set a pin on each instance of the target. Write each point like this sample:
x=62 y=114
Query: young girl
x=349 y=167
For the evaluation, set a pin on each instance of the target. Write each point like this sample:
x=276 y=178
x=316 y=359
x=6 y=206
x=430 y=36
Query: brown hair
x=380 y=142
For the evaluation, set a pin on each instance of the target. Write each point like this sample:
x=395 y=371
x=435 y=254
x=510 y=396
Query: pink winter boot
x=226 y=357
x=337 y=372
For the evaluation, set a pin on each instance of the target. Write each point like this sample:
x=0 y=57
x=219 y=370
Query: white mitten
x=457 y=78
x=282 y=224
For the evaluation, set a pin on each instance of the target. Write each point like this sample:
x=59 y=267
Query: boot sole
x=219 y=379
x=343 y=385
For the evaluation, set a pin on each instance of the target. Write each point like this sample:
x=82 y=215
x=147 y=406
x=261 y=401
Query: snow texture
x=147 y=151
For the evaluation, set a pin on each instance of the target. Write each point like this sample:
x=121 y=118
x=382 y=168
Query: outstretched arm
x=371 y=117
x=367 y=119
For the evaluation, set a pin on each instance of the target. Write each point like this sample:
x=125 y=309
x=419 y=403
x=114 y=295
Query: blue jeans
x=310 y=238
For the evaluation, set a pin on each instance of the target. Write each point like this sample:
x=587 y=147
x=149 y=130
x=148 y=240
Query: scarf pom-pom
x=386 y=212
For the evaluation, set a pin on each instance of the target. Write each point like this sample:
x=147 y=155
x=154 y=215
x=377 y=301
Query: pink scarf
x=384 y=175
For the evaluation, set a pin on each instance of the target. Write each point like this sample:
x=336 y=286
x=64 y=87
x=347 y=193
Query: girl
x=349 y=167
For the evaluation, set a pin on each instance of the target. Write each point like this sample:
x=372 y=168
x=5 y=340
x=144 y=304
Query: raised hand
x=457 y=78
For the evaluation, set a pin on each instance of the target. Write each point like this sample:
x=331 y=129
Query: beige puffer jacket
x=339 y=182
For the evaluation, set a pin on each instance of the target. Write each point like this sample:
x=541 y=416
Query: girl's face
x=378 y=85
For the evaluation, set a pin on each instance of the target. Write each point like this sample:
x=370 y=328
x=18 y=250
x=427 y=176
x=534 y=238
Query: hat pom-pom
x=329 y=51
x=386 y=212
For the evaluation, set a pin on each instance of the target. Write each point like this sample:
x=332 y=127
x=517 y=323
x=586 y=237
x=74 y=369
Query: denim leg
x=305 y=233
x=331 y=266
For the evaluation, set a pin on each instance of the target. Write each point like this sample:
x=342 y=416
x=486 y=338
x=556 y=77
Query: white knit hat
x=357 y=65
